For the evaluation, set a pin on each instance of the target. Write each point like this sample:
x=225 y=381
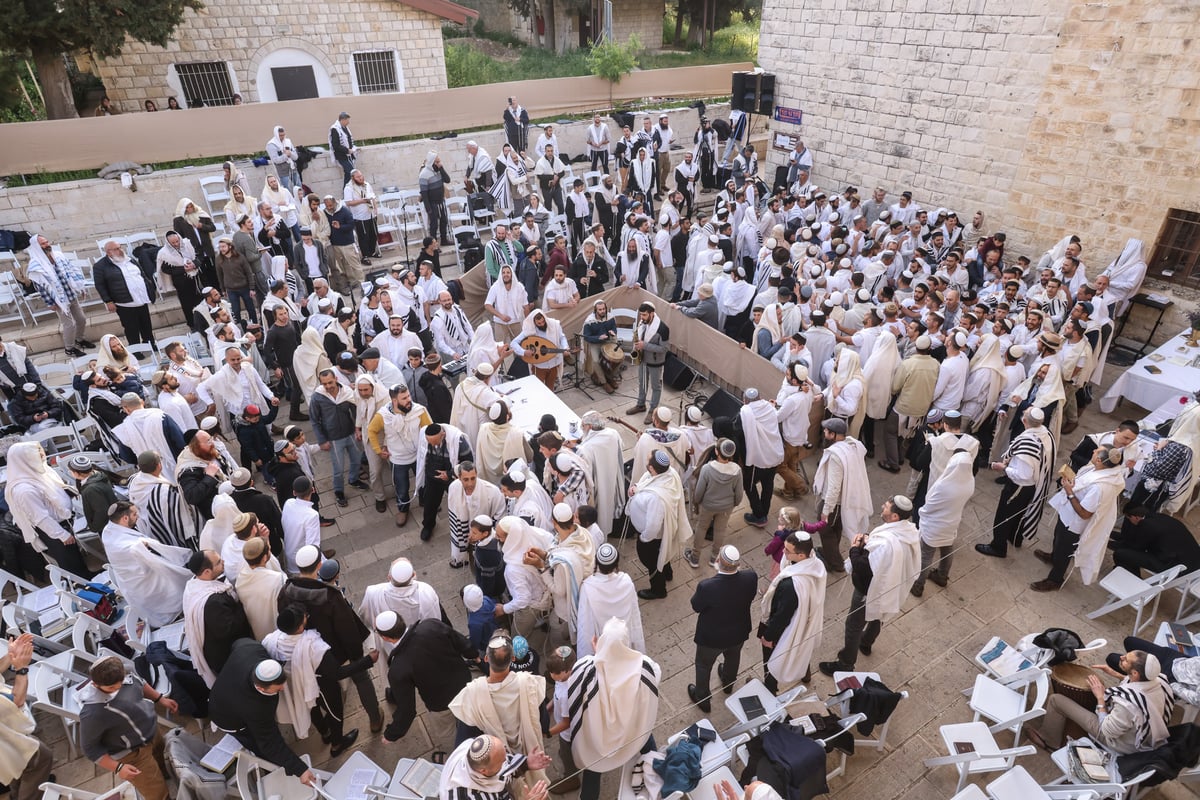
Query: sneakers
x=74 y=352
x=638 y=409
x=712 y=563
x=689 y=556
x=341 y=499
x=84 y=343
x=362 y=487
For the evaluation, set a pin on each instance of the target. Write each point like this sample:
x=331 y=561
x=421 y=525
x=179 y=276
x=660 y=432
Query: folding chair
x=57 y=791
x=215 y=195
x=843 y=707
x=11 y=293
x=53 y=691
x=624 y=335
x=1188 y=586
x=1006 y=708
x=983 y=756
x=1128 y=590
x=1117 y=789
x=1018 y=784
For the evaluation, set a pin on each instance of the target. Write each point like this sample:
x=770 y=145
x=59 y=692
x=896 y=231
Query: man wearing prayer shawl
x=258 y=585
x=883 y=563
x=985 y=380
x=41 y=506
x=473 y=397
x=525 y=586
x=940 y=517
x=1028 y=467
x=565 y=564
x=498 y=443
x=482 y=769
x=613 y=697
x=1131 y=717
x=661 y=435
x=411 y=599
x=163 y=513
x=149 y=429
x=1087 y=509
x=658 y=513
x=793 y=613
x=213 y=619
x=60 y=283
x=504 y=704
x=601 y=449
x=763 y=454
x=151 y=575
x=607 y=593
x=468 y=497
x=843 y=488
x=1125 y=275
x=525 y=497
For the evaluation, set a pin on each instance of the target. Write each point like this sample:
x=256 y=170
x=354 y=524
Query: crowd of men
x=897 y=332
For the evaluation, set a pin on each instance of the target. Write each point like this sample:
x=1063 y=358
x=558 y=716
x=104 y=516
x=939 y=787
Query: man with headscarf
x=613 y=697
x=41 y=507
x=941 y=516
x=163 y=514
x=759 y=422
x=882 y=564
x=213 y=619
x=1131 y=717
x=722 y=605
x=525 y=497
x=525 y=587
x=283 y=154
x=844 y=490
x=1028 y=466
x=473 y=398
x=483 y=769
x=1087 y=509
x=16 y=369
x=151 y=574
x=1125 y=275
x=658 y=512
x=60 y=284
x=793 y=614
x=452 y=331
x=177 y=260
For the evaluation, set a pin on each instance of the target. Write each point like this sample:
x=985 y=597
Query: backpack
x=1063 y=642
x=102 y=599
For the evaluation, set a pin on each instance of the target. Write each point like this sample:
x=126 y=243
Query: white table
x=1151 y=391
x=528 y=399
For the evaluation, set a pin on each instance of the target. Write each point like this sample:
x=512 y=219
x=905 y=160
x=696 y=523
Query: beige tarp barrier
x=91 y=142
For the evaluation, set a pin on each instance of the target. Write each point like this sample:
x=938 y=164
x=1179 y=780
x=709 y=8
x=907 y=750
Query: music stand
x=578 y=379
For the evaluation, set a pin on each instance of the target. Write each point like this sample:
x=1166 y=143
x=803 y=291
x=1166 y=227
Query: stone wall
x=630 y=17
x=243 y=35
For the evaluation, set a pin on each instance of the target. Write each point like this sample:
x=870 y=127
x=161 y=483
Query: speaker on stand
x=722 y=404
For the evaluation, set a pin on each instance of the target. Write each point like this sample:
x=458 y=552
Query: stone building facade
x=630 y=18
x=1055 y=117
x=271 y=51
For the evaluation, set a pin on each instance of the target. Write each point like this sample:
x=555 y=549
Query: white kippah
x=483 y=521
x=924 y=342
x=1153 y=667
x=751 y=394
x=268 y=670
x=901 y=502
x=960 y=339
x=402 y=571
x=730 y=554
x=802 y=535
x=694 y=414
x=563 y=513
x=472 y=597
x=663 y=414
x=386 y=620
x=495 y=410
x=485 y=369
x=770 y=243
x=1037 y=415
x=661 y=458
x=307 y=556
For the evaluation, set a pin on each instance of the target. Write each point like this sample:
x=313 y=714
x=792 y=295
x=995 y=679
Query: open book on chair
x=1004 y=659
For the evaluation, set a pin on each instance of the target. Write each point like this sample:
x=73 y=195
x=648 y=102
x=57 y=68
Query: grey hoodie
x=114 y=726
x=719 y=486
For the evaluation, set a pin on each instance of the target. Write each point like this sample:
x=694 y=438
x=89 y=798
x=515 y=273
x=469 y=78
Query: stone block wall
x=629 y=17
x=243 y=35
x=643 y=19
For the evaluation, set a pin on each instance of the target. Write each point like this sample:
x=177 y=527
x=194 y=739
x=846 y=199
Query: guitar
x=539 y=350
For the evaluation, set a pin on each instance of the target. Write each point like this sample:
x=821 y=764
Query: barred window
x=1177 y=253
x=205 y=82
x=375 y=71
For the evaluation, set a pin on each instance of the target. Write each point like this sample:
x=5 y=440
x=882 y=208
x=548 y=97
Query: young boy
x=254 y=436
x=481 y=619
x=559 y=664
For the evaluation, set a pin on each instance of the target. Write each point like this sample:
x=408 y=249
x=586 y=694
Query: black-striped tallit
x=583 y=686
x=1124 y=693
x=1037 y=444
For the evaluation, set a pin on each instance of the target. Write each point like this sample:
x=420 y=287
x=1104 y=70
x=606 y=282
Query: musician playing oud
x=603 y=351
x=547 y=366
x=650 y=346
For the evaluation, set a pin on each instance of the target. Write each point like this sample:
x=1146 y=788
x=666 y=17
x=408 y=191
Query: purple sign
x=792 y=116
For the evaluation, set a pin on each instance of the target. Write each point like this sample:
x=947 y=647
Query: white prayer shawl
x=571 y=561
x=523 y=581
x=880 y=368
x=855 y=497
x=177 y=408
x=601 y=449
x=220 y=527
x=16 y=356
x=677 y=528
x=143 y=430
x=672 y=441
x=948 y=496
x=258 y=590
x=412 y=603
x=613 y=697
x=942 y=447
x=461 y=507
x=792 y=656
x=497 y=444
x=309 y=360
x=300 y=654
x=1125 y=275
x=508 y=709
x=848 y=369
x=894 y=552
x=760 y=425
x=472 y=399
x=225 y=387
x=985 y=381
x=602 y=597
x=770 y=323
x=1093 y=542
x=41 y=272
x=453 y=439
x=195 y=595
x=164 y=514
x=151 y=574
x=29 y=474
x=18 y=745
x=106 y=358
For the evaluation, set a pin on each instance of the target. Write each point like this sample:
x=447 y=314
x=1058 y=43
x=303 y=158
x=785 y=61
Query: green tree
x=613 y=61
x=47 y=29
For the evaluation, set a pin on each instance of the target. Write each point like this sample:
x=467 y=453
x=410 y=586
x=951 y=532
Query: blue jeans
x=400 y=479
x=238 y=297
x=344 y=448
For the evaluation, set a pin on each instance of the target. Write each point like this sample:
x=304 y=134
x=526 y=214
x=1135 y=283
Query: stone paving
x=927 y=651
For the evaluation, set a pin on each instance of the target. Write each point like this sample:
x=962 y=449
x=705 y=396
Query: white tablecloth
x=1149 y=390
x=528 y=399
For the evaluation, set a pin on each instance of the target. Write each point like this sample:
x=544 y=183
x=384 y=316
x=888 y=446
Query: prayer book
x=752 y=706
x=423 y=778
x=222 y=755
x=1004 y=659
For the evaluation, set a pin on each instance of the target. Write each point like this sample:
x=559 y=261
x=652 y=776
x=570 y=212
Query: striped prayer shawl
x=513 y=764
x=171 y=520
x=1031 y=445
x=1126 y=694
x=583 y=686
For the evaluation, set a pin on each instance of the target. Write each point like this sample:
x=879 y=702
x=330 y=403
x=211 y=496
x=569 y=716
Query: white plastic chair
x=1126 y=590
x=984 y=755
x=458 y=213
x=1018 y=784
x=53 y=692
x=843 y=708
x=57 y=791
x=1188 y=586
x=215 y=195
x=57 y=441
x=1116 y=789
x=1006 y=708
x=12 y=295
x=619 y=314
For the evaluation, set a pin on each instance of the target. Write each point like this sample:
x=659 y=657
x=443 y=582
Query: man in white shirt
x=561 y=291
x=452 y=331
x=360 y=199
x=597 y=142
x=126 y=289
x=663 y=137
x=301 y=522
x=171 y=402
x=547 y=138
x=397 y=341
x=550 y=172
x=904 y=211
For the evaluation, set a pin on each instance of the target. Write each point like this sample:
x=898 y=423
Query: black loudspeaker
x=766 y=94
x=677 y=374
x=737 y=97
x=722 y=404
x=781 y=174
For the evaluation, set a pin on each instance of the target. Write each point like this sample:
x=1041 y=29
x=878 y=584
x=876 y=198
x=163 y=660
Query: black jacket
x=252 y=501
x=428 y=659
x=722 y=604
x=329 y=614
x=438 y=399
x=1162 y=536
x=224 y=623
x=285 y=476
x=111 y=286
x=199 y=488
x=236 y=705
x=783 y=607
x=21 y=408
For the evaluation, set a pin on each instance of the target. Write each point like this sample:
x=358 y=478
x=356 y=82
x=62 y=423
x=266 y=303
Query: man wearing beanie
x=722 y=605
x=605 y=594
x=883 y=565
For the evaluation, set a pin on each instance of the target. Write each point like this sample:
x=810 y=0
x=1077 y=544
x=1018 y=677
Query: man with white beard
x=601 y=449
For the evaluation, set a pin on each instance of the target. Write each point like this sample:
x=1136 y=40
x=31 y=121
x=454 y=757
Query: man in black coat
x=438 y=398
x=722 y=604
x=224 y=618
x=243 y=702
x=1154 y=542
x=253 y=501
x=128 y=290
x=331 y=615
x=430 y=658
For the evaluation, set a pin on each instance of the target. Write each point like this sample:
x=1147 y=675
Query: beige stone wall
x=629 y=17
x=643 y=19
x=243 y=34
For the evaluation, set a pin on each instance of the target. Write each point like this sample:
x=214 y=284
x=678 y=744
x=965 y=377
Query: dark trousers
x=37 y=772
x=439 y=223
x=291 y=387
x=67 y=556
x=648 y=554
x=1065 y=542
x=858 y=630
x=367 y=696
x=600 y=157
x=347 y=166
x=135 y=321
x=367 y=234
x=727 y=672
x=1166 y=655
x=677 y=290
x=759 y=483
x=1013 y=500
x=328 y=714
x=238 y=298
x=1137 y=560
x=431 y=499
